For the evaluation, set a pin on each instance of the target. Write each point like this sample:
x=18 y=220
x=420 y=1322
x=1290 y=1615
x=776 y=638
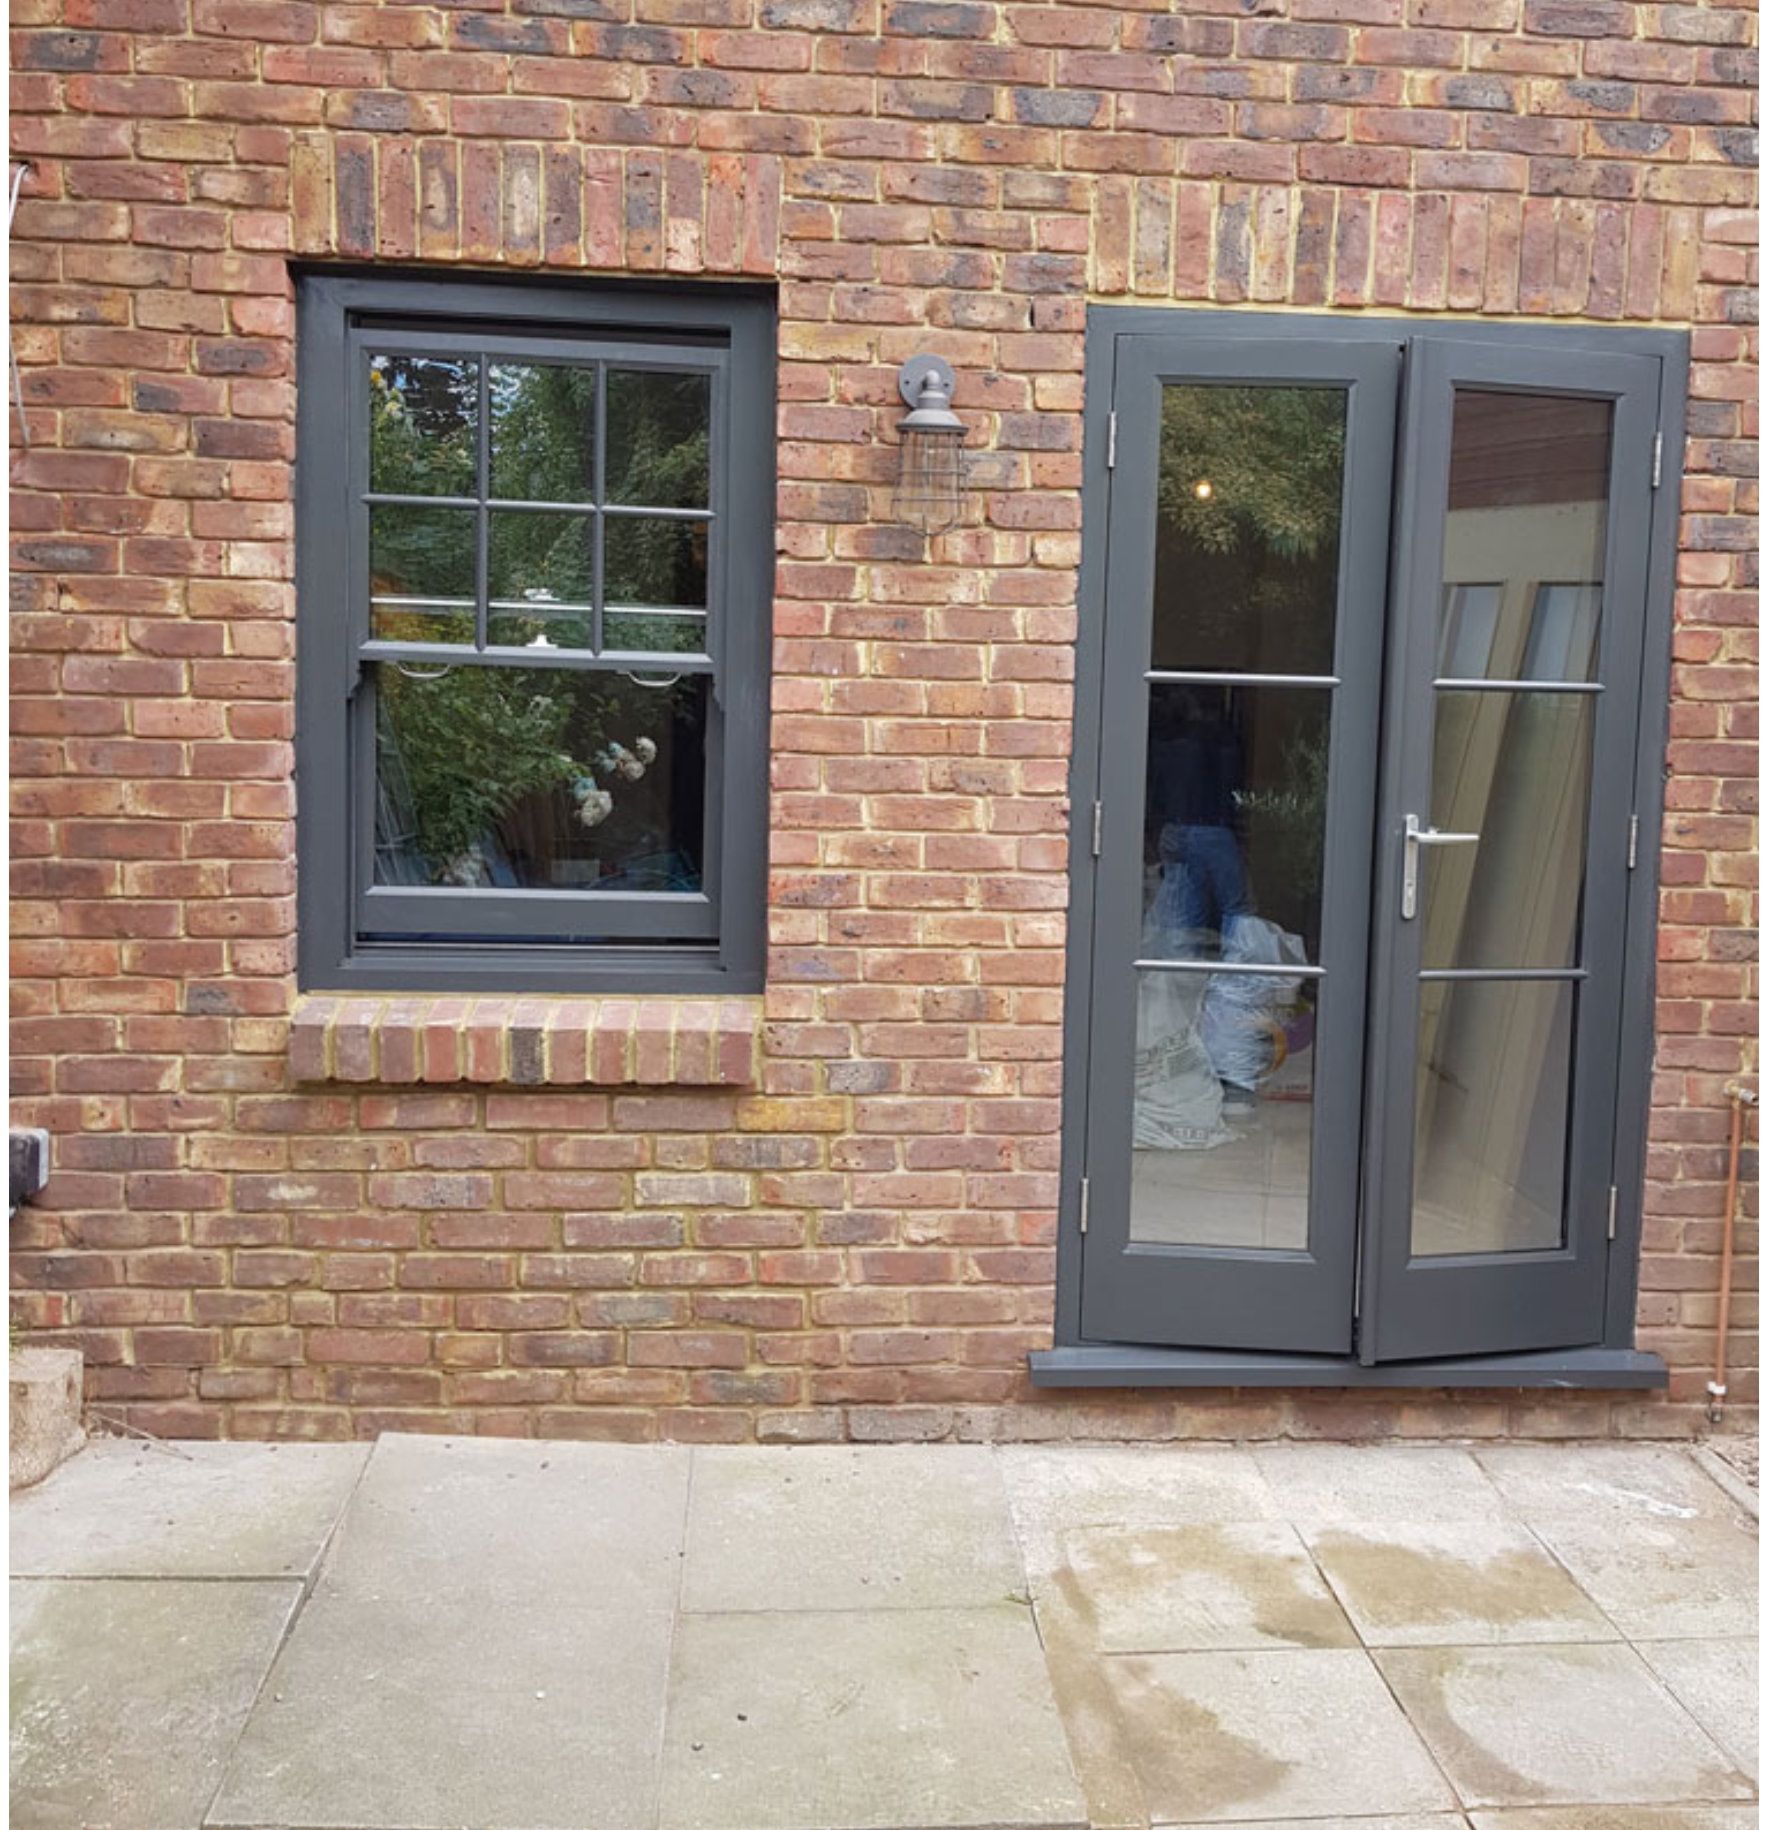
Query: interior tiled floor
x=1251 y=1190
x=525 y=1635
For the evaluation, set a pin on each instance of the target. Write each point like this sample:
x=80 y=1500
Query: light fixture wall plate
x=916 y=370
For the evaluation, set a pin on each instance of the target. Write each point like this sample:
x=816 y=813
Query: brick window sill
x=401 y=1040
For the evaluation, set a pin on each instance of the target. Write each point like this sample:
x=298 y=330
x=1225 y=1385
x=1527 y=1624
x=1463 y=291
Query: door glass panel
x=1512 y=767
x=536 y=778
x=1234 y=822
x=1493 y=1076
x=1248 y=529
x=1221 y=1135
x=1526 y=536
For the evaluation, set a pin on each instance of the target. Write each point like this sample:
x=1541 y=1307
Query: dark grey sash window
x=533 y=570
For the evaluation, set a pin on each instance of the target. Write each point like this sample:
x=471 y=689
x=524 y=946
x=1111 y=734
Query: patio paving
x=437 y=1633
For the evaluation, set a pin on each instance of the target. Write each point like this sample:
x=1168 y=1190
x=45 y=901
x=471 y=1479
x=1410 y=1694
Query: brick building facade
x=830 y=1213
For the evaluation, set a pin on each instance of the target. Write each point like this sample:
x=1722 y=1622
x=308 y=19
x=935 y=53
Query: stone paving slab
x=1420 y=1821
x=470 y=1710
x=1219 y=1737
x=1715 y=1680
x=498 y=1612
x=587 y=1525
x=847 y=1528
x=188 y=1509
x=1055 y=1489
x=127 y=1695
x=1593 y=1481
x=1662 y=1578
x=1411 y=1583
x=1621 y=1817
x=1203 y=1587
x=1537 y=1725
x=941 y=1718
x=1346 y=1484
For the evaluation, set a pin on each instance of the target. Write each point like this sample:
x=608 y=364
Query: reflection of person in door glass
x=1196 y=770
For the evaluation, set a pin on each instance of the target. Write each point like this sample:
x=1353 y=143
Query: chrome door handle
x=1417 y=835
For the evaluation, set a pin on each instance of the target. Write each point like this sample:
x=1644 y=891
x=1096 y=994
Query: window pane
x=538 y=626
x=423 y=425
x=1221 y=1134
x=1469 y=630
x=1514 y=769
x=632 y=632
x=656 y=563
x=541 y=432
x=1527 y=521
x=1234 y=821
x=541 y=574
x=1248 y=529
x=1493 y=1102
x=423 y=573
x=536 y=778
x=658 y=439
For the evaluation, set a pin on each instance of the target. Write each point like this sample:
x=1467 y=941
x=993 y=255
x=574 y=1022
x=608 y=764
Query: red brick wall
x=861 y=1246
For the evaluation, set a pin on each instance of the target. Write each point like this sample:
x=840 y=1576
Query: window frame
x=726 y=331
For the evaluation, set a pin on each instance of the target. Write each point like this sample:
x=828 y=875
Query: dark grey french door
x=1368 y=698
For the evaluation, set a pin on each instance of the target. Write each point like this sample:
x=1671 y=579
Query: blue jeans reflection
x=1203 y=885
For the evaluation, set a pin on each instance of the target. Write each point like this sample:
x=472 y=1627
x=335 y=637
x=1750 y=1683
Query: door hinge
x=1112 y=440
x=1613 y=1208
x=1632 y=843
x=1094 y=842
x=1082 y=1209
x=1657 y=461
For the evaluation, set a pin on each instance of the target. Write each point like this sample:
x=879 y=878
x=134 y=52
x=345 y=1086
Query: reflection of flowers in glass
x=592 y=802
x=615 y=758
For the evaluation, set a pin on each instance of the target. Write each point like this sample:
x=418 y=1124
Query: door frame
x=1076 y=1360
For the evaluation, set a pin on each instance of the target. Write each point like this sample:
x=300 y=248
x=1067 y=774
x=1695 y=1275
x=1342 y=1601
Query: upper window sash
x=601 y=357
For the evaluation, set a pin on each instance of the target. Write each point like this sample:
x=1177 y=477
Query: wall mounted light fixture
x=931 y=471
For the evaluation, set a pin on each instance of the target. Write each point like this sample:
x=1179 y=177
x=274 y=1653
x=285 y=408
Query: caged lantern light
x=931 y=470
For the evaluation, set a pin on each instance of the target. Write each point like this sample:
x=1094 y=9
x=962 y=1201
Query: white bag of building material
x=1242 y=1023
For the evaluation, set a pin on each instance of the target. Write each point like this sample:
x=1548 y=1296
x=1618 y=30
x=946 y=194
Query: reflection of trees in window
x=658 y=439
x=1282 y=823
x=1249 y=496
x=541 y=432
x=489 y=761
x=423 y=425
x=1273 y=457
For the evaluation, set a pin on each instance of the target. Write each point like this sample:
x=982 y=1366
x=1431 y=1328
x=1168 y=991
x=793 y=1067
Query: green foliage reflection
x=1254 y=465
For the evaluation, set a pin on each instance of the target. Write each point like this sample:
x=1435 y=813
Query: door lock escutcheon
x=1416 y=835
